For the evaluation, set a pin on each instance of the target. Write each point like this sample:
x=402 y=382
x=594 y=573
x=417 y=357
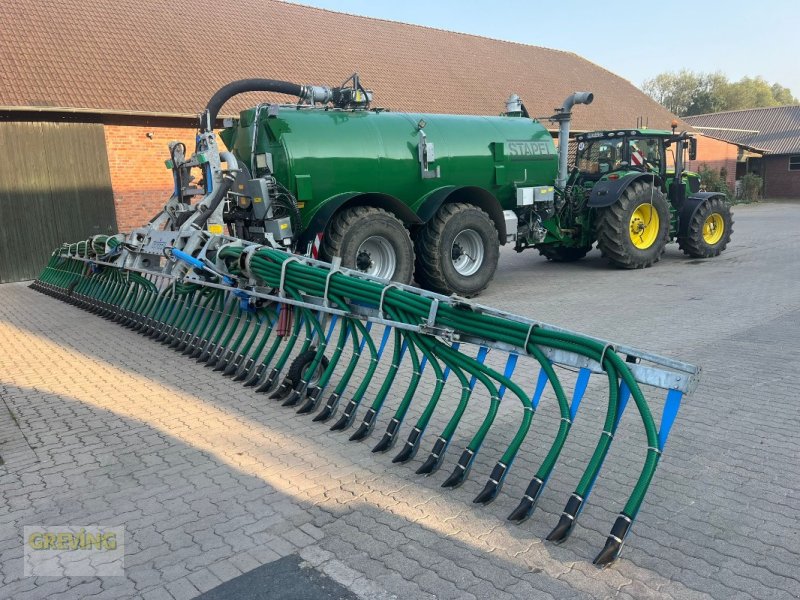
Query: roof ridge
x=740 y=110
x=418 y=26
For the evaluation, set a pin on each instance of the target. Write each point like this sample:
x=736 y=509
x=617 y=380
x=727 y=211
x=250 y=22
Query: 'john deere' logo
x=520 y=150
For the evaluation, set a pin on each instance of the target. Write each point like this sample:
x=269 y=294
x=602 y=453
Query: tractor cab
x=603 y=155
x=613 y=155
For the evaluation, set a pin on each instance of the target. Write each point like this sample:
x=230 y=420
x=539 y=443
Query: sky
x=636 y=40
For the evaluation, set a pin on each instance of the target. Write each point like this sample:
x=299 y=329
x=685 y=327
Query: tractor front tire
x=457 y=251
x=633 y=232
x=563 y=254
x=370 y=240
x=709 y=230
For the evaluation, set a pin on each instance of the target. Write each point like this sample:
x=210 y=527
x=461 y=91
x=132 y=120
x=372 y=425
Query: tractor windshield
x=645 y=153
x=601 y=156
x=598 y=157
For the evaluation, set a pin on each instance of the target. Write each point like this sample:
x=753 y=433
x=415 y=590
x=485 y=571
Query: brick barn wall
x=716 y=154
x=140 y=181
x=779 y=181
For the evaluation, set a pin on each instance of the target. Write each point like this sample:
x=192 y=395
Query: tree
x=708 y=94
x=782 y=95
x=687 y=93
x=748 y=92
x=675 y=91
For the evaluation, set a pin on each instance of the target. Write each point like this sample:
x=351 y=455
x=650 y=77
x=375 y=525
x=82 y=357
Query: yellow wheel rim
x=713 y=229
x=645 y=225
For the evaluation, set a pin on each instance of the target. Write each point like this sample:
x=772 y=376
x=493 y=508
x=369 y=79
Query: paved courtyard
x=210 y=480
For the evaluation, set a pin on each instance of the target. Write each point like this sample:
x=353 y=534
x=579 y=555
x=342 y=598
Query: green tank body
x=319 y=155
x=428 y=198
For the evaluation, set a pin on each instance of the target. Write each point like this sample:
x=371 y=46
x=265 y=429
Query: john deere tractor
x=622 y=194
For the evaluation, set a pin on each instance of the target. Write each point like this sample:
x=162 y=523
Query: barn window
x=794 y=163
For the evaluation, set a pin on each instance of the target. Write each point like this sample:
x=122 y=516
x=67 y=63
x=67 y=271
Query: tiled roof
x=771 y=130
x=169 y=57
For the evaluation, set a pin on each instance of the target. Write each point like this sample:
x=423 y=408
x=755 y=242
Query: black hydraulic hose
x=241 y=86
x=219 y=196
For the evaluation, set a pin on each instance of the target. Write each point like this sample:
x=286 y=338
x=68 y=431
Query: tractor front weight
x=314 y=336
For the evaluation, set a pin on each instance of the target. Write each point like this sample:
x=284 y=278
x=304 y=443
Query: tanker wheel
x=632 y=232
x=301 y=363
x=457 y=251
x=709 y=230
x=563 y=253
x=370 y=240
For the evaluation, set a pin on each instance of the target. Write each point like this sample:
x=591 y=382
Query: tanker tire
x=613 y=224
x=693 y=243
x=351 y=227
x=434 y=268
x=301 y=363
x=563 y=254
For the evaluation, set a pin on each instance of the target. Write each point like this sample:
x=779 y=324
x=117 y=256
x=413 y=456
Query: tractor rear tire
x=457 y=251
x=563 y=254
x=633 y=232
x=709 y=230
x=370 y=240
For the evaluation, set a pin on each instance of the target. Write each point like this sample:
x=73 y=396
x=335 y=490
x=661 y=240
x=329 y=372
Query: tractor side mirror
x=692 y=148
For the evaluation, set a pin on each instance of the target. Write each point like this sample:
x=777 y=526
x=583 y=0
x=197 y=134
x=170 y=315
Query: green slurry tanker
x=432 y=197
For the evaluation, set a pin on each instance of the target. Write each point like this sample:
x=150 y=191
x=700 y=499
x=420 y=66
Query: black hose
x=219 y=195
x=177 y=168
x=234 y=88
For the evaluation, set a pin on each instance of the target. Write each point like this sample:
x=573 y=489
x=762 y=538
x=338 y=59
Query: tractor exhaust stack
x=564 y=116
